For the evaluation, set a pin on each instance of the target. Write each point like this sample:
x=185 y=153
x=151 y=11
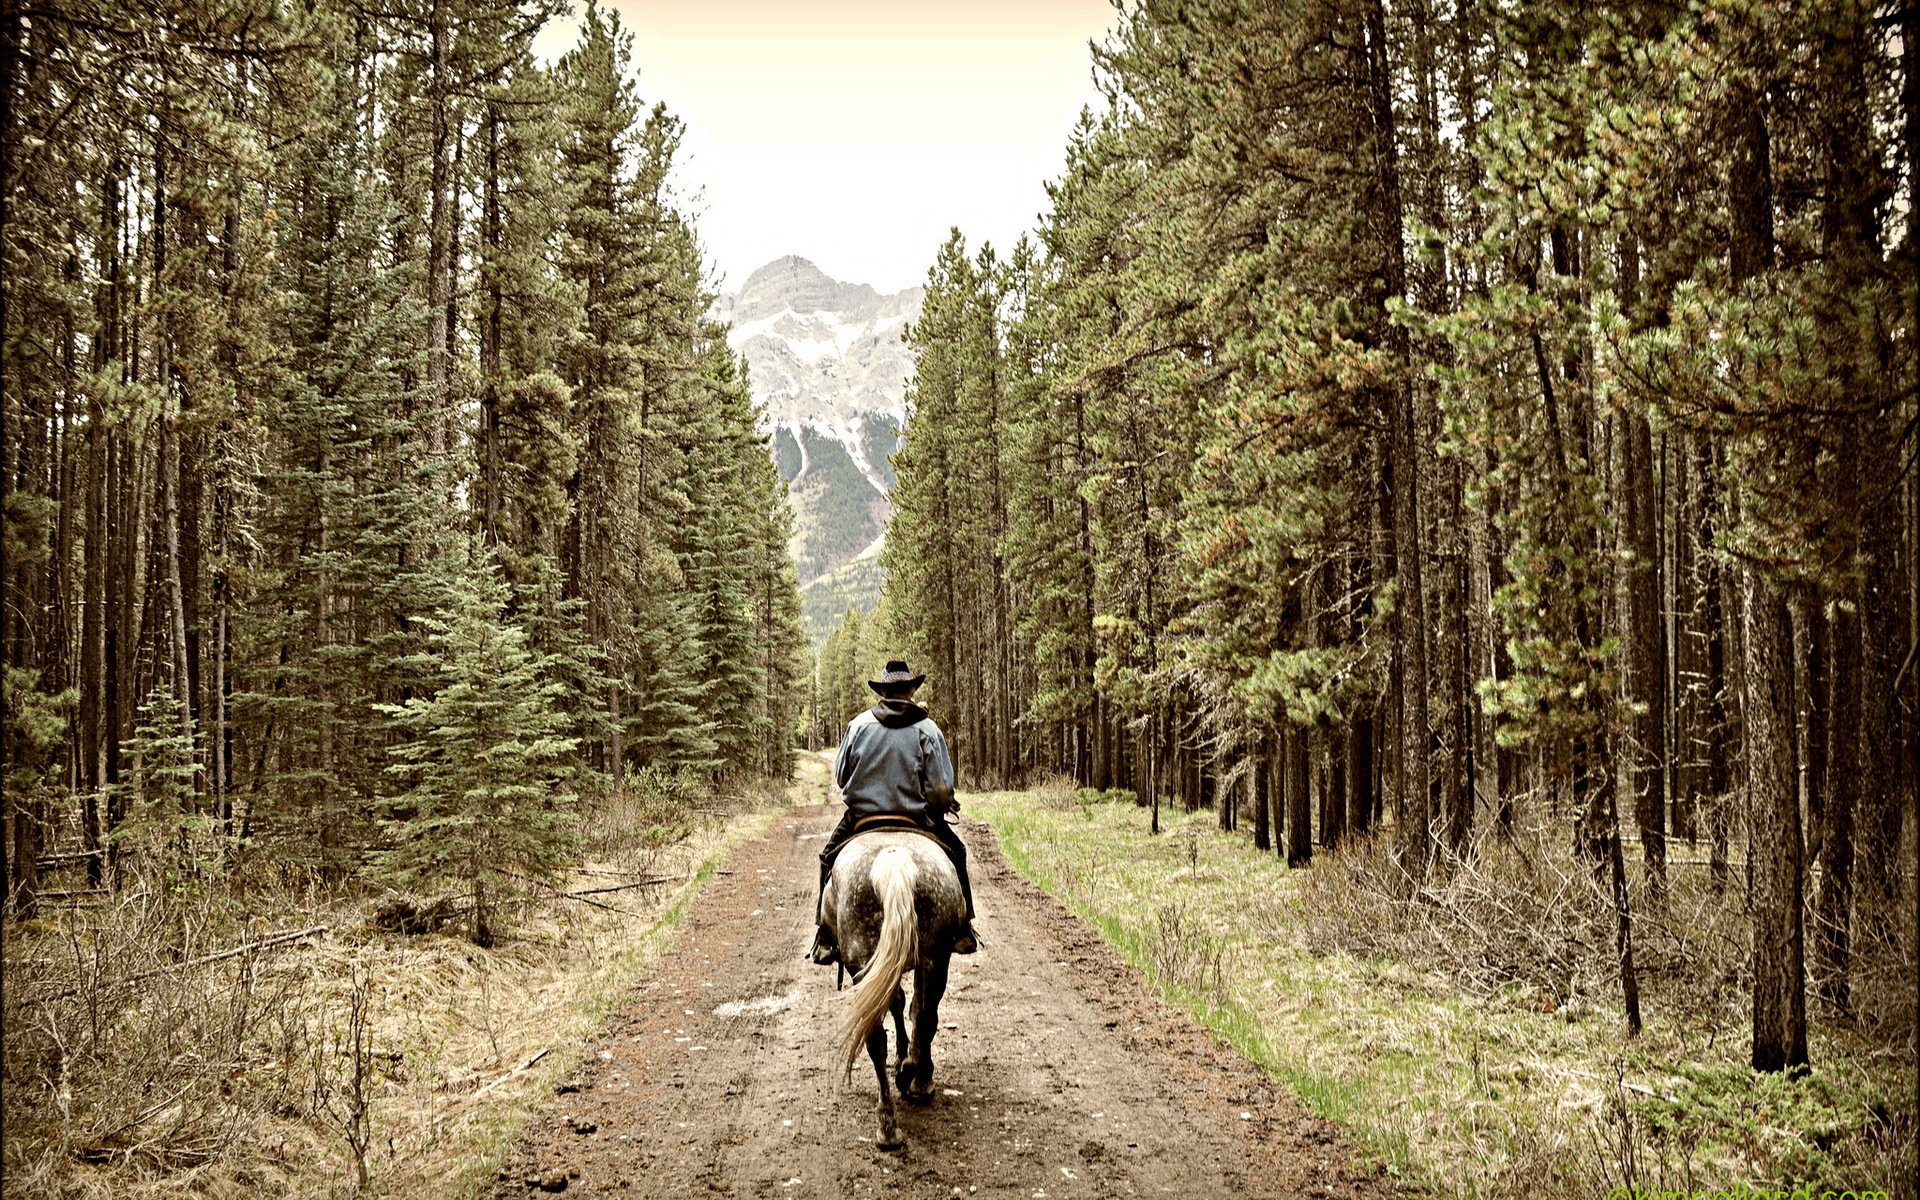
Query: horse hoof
x=918 y=1099
x=891 y=1141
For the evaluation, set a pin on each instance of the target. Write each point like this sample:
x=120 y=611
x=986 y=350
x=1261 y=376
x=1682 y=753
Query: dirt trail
x=1057 y=1075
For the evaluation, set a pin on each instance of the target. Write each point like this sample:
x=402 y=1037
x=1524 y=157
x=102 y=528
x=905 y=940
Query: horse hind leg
x=889 y=1134
x=903 y=1046
x=916 y=1065
x=899 y=1010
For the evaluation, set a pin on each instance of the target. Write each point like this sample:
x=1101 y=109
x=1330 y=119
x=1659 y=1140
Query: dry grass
x=1054 y=791
x=133 y=1070
x=1469 y=1030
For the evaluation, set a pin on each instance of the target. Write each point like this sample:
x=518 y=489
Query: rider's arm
x=936 y=772
x=844 y=760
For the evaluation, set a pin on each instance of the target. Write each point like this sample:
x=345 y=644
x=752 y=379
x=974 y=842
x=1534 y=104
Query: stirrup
x=966 y=943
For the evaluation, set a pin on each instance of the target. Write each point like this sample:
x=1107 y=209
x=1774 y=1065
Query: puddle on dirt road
x=756 y=1008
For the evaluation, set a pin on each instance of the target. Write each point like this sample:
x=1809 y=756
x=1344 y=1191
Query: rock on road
x=1056 y=1074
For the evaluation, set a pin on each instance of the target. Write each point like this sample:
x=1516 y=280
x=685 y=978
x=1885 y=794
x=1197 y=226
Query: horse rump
x=895 y=875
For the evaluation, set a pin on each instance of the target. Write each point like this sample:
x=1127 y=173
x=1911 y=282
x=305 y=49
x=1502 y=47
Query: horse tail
x=894 y=875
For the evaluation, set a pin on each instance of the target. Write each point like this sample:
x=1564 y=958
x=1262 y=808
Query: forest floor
x=248 y=1075
x=1059 y=1073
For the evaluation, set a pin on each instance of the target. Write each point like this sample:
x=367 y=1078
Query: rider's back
x=901 y=769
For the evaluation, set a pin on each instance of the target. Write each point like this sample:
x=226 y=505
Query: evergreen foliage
x=481 y=759
x=161 y=821
x=297 y=304
x=852 y=654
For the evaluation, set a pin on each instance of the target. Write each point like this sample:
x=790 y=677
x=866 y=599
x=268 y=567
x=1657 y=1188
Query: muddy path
x=1057 y=1075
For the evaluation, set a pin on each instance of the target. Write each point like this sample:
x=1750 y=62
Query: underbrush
x=1469 y=1031
x=263 y=1035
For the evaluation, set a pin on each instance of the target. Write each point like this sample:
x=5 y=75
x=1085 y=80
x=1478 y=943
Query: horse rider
x=893 y=771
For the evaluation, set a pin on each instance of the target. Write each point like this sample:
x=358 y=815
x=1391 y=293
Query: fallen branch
x=657 y=879
x=275 y=939
x=557 y=894
x=625 y=912
x=542 y=1053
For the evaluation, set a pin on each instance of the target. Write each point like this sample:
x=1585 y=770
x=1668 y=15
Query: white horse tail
x=894 y=875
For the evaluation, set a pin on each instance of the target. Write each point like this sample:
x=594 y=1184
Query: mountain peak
x=829 y=372
x=796 y=283
x=822 y=352
x=783 y=272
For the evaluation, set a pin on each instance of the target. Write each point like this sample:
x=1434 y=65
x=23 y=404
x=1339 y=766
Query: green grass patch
x=1456 y=1092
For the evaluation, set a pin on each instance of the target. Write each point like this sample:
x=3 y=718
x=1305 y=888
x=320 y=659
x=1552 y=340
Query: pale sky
x=856 y=132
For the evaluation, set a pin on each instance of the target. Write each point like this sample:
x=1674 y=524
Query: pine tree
x=162 y=827
x=481 y=761
x=525 y=446
x=256 y=286
x=1385 y=359
x=347 y=501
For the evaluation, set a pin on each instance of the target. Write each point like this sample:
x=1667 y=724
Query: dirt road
x=1057 y=1075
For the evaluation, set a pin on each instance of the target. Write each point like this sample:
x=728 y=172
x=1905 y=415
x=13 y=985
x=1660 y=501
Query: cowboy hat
x=896 y=675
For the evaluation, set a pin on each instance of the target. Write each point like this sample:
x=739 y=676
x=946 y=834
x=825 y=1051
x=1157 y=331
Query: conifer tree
x=481 y=761
x=345 y=509
x=1387 y=373
x=161 y=822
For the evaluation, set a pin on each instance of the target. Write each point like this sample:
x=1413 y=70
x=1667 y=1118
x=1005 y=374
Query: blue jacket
x=894 y=760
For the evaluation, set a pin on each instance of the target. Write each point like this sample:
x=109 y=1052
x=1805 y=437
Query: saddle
x=894 y=821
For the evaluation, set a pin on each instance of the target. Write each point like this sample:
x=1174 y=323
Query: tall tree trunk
x=1413 y=773
x=1622 y=906
x=1717 y=720
x=1360 y=775
x=1370 y=567
x=1882 y=636
x=94 y=731
x=1277 y=783
x=1689 y=646
x=439 y=234
x=1224 y=797
x=176 y=588
x=1262 y=840
x=120 y=589
x=492 y=468
x=1833 y=902
x=1812 y=667
x=1333 y=800
x=1299 y=800
x=1645 y=643
x=1456 y=724
x=169 y=463
x=1482 y=651
x=1775 y=865
x=21 y=876
x=1778 y=961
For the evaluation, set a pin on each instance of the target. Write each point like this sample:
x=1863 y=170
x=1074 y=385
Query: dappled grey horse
x=894 y=905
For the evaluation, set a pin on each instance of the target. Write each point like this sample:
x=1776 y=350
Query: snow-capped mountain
x=825 y=356
x=827 y=363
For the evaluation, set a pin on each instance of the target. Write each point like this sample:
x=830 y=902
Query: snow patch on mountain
x=829 y=369
x=823 y=354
